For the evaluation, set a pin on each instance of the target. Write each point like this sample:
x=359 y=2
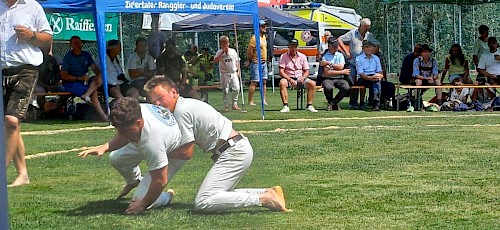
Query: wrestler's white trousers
x=126 y=161
x=217 y=191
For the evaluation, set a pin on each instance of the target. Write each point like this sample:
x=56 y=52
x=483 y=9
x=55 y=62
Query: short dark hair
x=159 y=80
x=125 y=112
x=140 y=39
x=483 y=28
x=492 y=40
x=73 y=38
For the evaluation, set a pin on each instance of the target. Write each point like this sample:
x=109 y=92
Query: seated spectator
x=206 y=66
x=171 y=64
x=425 y=71
x=455 y=64
x=294 y=72
x=406 y=75
x=116 y=85
x=228 y=60
x=49 y=78
x=483 y=98
x=369 y=72
x=74 y=70
x=489 y=64
x=461 y=94
x=141 y=67
x=191 y=57
x=334 y=73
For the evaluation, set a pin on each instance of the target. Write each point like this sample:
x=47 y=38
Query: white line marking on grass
x=367 y=118
x=51 y=132
x=280 y=130
x=56 y=152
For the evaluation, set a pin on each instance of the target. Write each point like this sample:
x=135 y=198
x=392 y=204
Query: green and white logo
x=64 y=26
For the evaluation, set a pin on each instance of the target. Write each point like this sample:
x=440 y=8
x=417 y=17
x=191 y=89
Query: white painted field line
x=57 y=131
x=56 y=152
x=367 y=118
x=279 y=130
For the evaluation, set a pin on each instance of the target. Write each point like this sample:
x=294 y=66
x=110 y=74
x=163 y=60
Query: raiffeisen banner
x=66 y=25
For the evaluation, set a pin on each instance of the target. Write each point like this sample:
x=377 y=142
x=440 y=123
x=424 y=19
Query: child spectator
x=228 y=68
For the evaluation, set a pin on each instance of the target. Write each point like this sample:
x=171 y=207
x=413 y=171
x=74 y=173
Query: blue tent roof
x=277 y=19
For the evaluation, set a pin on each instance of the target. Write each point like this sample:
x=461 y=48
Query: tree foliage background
x=435 y=24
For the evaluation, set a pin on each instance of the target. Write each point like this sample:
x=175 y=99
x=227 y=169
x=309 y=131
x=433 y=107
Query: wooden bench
x=204 y=89
x=421 y=87
x=300 y=94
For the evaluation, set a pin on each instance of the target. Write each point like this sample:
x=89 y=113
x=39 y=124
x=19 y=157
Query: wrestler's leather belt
x=224 y=145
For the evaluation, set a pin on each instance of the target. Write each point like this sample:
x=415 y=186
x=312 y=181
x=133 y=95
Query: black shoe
x=336 y=107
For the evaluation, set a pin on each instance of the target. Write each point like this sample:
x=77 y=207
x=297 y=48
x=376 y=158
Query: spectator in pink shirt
x=294 y=72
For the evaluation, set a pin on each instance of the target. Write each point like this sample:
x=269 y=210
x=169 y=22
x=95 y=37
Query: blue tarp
x=100 y=7
x=278 y=19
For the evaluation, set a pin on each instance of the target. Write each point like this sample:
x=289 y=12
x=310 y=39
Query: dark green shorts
x=18 y=84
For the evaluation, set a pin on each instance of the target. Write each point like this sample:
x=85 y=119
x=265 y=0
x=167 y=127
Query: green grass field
x=339 y=170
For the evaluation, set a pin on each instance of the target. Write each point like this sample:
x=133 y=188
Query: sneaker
x=311 y=109
x=285 y=109
x=410 y=109
x=376 y=108
x=353 y=105
x=362 y=106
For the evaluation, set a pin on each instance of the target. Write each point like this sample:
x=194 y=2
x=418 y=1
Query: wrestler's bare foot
x=280 y=194
x=127 y=188
x=270 y=200
x=20 y=180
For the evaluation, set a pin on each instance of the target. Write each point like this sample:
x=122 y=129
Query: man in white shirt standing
x=228 y=68
x=24 y=29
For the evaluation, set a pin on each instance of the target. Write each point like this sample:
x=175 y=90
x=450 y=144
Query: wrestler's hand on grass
x=135 y=208
x=97 y=151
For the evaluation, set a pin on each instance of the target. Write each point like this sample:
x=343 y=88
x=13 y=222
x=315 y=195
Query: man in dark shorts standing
x=20 y=58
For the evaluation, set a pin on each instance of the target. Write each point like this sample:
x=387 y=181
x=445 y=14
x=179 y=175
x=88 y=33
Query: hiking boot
x=311 y=109
x=285 y=109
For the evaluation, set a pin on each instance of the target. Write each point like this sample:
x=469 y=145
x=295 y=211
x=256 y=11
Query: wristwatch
x=33 y=37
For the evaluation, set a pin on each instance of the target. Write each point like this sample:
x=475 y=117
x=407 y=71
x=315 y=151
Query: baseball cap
x=293 y=42
x=262 y=23
x=332 y=41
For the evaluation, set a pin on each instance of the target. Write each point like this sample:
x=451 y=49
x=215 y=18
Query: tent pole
x=460 y=25
x=454 y=24
x=121 y=44
x=411 y=25
x=239 y=66
x=399 y=38
x=388 y=52
x=4 y=204
x=434 y=29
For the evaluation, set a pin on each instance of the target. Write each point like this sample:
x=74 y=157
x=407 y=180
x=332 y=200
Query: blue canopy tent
x=278 y=19
x=100 y=7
